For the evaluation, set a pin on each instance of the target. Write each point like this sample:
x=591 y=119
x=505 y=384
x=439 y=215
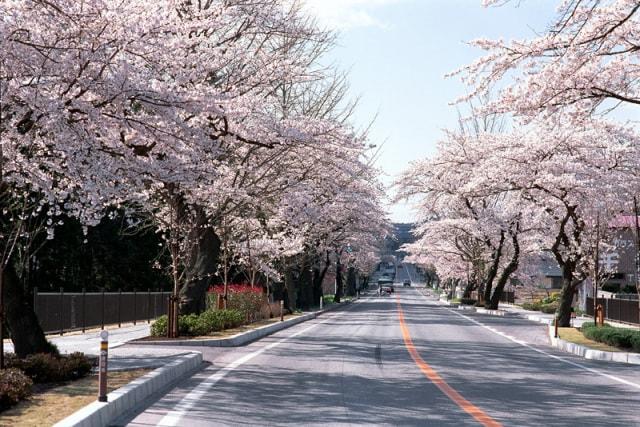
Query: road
x=400 y=360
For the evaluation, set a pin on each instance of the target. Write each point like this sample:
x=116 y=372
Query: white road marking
x=189 y=401
x=553 y=356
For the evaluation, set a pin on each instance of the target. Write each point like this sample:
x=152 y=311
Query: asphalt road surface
x=399 y=360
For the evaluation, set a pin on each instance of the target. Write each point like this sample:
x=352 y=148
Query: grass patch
x=576 y=336
x=53 y=403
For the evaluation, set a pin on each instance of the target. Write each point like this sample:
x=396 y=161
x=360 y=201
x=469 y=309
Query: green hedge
x=547 y=305
x=616 y=337
x=533 y=306
x=203 y=324
x=549 y=308
x=14 y=387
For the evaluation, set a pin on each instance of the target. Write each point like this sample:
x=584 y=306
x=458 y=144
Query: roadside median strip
x=590 y=353
x=242 y=338
x=124 y=399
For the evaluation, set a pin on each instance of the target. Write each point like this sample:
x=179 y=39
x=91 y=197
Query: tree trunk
x=289 y=289
x=338 y=295
x=469 y=287
x=351 y=281
x=203 y=266
x=318 y=278
x=566 y=301
x=493 y=272
x=305 y=293
x=22 y=323
x=506 y=274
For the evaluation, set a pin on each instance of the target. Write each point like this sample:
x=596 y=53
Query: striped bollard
x=102 y=367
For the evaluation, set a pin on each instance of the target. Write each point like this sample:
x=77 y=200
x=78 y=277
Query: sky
x=397 y=53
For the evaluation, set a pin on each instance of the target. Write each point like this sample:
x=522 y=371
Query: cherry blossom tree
x=585 y=63
x=167 y=107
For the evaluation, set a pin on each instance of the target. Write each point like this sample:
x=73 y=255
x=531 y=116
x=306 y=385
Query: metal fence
x=62 y=311
x=619 y=310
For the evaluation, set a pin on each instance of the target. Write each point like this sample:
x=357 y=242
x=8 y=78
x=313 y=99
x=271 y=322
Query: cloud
x=347 y=14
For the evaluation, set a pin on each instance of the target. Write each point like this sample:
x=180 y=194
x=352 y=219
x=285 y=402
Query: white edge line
x=187 y=402
x=553 y=356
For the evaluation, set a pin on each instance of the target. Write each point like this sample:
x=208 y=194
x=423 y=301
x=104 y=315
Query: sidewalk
x=119 y=358
x=548 y=318
x=144 y=354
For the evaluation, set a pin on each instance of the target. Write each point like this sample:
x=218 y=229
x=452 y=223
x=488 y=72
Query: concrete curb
x=500 y=313
x=539 y=319
x=243 y=337
x=126 y=398
x=458 y=306
x=589 y=353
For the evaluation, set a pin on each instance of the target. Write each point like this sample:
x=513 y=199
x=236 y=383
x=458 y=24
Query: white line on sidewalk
x=553 y=356
x=174 y=416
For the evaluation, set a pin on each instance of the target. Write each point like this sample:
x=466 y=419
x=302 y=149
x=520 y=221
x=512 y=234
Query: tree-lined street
x=352 y=368
x=208 y=168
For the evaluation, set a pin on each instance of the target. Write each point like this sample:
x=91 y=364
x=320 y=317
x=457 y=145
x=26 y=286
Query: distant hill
x=402 y=234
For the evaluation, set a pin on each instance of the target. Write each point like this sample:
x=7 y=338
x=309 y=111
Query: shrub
x=14 y=387
x=159 y=327
x=189 y=325
x=49 y=368
x=328 y=299
x=554 y=297
x=468 y=301
x=635 y=342
x=76 y=365
x=203 y=324
x=616 y=337
x=549 y=308
x=231 y=318
x=247 y=299
x=534 y=306
x=40 y=367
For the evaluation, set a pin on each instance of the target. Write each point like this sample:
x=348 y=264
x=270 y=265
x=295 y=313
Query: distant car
x=407 y=282
x=385 y=290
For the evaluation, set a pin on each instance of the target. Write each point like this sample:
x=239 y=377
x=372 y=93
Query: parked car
x=407 y=282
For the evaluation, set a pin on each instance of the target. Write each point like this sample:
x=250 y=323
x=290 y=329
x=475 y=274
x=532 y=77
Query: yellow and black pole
x=102 y=367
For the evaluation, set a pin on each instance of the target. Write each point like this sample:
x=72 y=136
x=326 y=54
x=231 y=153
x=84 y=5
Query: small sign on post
x=281 y=310
x=102 y=367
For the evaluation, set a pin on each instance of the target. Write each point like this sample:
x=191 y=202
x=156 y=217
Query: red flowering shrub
x=245 y=298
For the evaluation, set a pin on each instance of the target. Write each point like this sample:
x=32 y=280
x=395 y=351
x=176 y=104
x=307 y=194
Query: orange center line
x=436 y=379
